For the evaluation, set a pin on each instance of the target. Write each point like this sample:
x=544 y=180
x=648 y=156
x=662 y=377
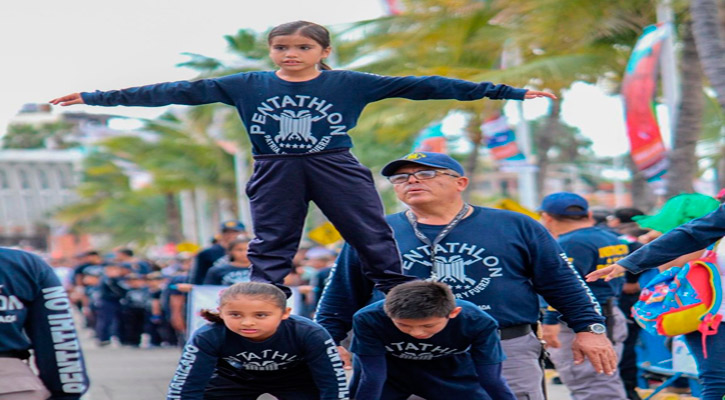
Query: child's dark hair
x=311 y=30
x=263 y=291
x=233 y=244
x=419 y=300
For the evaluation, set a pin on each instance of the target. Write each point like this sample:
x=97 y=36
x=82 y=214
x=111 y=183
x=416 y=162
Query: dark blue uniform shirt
x=35 y=314
x=300 y=356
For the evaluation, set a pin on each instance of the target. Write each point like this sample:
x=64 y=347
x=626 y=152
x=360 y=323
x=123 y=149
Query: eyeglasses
x=420 y=175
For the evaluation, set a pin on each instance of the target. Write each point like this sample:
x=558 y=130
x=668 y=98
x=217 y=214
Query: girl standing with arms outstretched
x=254 y=346
x=298 y=118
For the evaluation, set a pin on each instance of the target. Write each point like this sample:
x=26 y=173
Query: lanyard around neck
x=442 y=234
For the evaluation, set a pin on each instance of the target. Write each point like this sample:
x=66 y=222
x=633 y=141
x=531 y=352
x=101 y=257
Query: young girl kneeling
x=254 y=346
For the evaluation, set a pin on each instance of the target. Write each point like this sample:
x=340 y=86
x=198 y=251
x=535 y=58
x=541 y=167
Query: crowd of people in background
x=135 y=301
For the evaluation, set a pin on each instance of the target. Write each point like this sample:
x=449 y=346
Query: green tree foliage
x=32 y=136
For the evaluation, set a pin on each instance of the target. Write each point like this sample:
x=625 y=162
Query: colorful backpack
x=682 y=300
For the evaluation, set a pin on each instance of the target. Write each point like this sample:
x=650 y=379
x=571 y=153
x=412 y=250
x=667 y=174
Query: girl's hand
x=535 y=94
x=69 y=100
x=607 y=273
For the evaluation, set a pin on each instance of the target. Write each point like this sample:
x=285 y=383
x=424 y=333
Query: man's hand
x=551 y=335
x=345 y=357
x=609 y=273
x=535 y=94
x=68 y=100
x=598 y=349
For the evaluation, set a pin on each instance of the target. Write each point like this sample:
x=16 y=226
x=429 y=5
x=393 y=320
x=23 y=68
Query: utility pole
x=511 y=57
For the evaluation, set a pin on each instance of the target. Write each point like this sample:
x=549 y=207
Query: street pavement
x=121 y=373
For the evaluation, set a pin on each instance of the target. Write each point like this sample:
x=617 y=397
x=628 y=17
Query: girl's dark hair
x=232 y=244
x=311 y=30
x=263 y=291
x=419 y=300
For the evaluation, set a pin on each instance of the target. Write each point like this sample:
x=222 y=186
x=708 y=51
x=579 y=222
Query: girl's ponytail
x=211 y=316
x=323 y=66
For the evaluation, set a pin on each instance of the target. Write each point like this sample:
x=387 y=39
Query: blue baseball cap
x=429 y=159
x=232 y=225
x=557 y=204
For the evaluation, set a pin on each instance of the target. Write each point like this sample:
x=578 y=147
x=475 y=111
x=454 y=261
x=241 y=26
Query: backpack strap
x=711 y=320
x=708 y=327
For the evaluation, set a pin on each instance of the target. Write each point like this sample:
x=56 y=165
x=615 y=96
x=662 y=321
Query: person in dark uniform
x=421 y=340
x=485 y=256
x=207 y=258
x=588 y=247
x=254 y=346
x=35 y=316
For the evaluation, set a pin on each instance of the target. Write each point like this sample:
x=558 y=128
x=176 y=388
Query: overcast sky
x=51 y=48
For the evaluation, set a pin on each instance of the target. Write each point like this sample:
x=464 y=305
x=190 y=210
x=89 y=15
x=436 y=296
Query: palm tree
x=683 y=166
x=707 y=29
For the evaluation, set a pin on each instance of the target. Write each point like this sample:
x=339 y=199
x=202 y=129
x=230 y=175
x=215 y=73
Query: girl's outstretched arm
x=68 y=100
x=534 y=94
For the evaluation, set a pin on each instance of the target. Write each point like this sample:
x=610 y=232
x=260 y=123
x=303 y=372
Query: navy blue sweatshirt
x=204 y=261
x=590 y=249
x=695 y=235
x=496 y=259
x=471 y=339
x=299 y=356
x=284 y=117
x=35 y=314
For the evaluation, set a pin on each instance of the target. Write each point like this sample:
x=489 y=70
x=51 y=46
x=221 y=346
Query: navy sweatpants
x=280 y=190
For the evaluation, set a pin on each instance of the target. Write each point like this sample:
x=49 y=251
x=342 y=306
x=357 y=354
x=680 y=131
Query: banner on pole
x=431 y=139
x=638 y=92
x=501 y=142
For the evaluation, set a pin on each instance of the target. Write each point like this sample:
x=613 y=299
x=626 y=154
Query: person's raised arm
x=203 y=91
x=378 y=87
x=695 y=235
x=68 y=100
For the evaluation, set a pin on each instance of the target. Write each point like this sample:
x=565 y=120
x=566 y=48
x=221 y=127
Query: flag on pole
x=501 y=140
x=431 y=139
x=638 y=92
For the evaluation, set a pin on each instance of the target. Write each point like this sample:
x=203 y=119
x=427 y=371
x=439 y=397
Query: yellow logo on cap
x=415 y=156
x=230 y=224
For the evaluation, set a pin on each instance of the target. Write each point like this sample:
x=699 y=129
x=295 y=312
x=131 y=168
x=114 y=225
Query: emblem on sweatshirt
x=294 y=119
x=466 y=268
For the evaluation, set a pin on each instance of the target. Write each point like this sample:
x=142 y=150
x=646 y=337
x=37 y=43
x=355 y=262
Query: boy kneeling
x=421 y=340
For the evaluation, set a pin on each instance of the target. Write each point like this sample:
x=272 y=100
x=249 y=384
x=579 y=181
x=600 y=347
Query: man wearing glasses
x=499 y=260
